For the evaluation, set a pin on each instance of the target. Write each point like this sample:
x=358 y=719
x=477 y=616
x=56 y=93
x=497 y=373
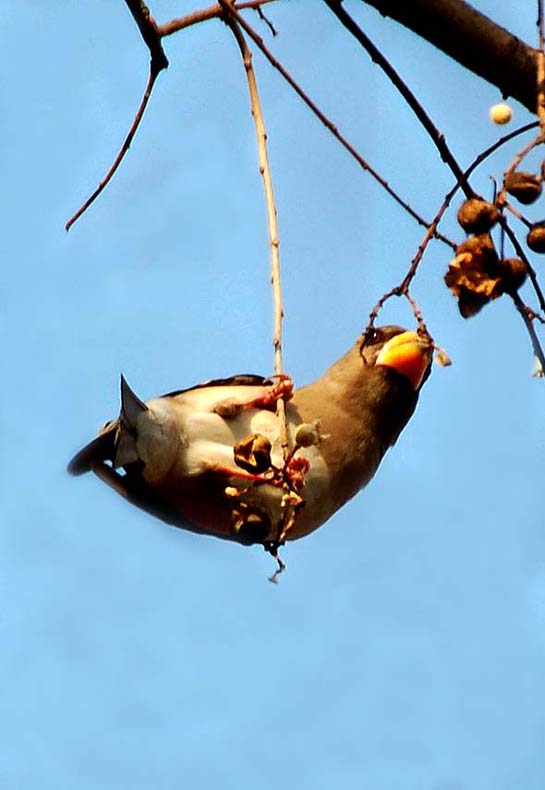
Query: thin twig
x=158 y=61
x=518 y=159
x=528 y=322
x=330 y=126
x=522 y=255
x=516 y=213
x=212 y=12
x=265 y=171
x=267 y=21
x=498 y=144
x=122 y=151
x=290 y=500
x=436 y=136
x=416 y=312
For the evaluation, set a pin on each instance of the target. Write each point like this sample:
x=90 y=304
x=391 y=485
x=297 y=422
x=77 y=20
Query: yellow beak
x=409 y=354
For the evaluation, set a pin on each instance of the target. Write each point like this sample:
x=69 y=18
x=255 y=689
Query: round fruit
x=536 y=237
x=501 y=113
x=513 y=273
x=477 y=216
x=525 y=187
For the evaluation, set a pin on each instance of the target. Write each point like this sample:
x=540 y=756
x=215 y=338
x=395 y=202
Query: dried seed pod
x=477 y=216
x=525 y=187
x=471 y=303
x=536 y=237
x=513 y=274
x=479 y=252
x=253 y=453
x=473 y=275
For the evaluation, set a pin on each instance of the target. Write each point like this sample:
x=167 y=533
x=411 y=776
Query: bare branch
x=436 y=136
x=212 y=12
x=331 y=127
x=291 y=501
x=267 y=21
x=522 y=255
x=527 y=317
x=265 y=171
x=158 y=61
x=122 y=151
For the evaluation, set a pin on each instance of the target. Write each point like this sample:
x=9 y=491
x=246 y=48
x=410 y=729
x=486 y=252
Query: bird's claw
x=283 y=388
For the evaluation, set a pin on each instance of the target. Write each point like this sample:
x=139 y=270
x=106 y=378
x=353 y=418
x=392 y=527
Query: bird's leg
x=229 y=471
x=282 y=389
x=272 y=548
x=231 y=407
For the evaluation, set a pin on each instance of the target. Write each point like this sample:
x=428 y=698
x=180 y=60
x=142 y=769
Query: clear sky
x=404 y=648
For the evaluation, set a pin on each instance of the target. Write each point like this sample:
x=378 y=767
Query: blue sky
x=404 y=648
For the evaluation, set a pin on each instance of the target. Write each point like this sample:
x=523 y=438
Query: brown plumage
x=198 y=458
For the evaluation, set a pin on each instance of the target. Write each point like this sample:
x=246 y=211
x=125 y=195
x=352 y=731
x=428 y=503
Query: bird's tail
x=101 y=449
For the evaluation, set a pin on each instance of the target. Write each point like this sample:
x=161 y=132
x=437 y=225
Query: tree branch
x=148 y=30
x=122 y=151
x=330 y=126
x=203 y=15
x=473 y=40
x=376 y=55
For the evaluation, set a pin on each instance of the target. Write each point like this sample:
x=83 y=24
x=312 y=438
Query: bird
x=210 y=459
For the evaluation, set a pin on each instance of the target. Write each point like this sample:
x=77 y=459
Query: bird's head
x=406 y=352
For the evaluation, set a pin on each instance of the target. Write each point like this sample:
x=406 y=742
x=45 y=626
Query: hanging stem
x=265 y=171
x=291 y=501
x=329 y=125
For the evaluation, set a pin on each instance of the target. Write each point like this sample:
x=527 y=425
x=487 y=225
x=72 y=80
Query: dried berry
x=536 y=237
x=253 y=453
x=482 y=253
x=473 y=275
x=477 y=216
x=513 y=274
x=525 y=187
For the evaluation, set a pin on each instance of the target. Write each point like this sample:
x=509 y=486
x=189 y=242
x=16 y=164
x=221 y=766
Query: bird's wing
x=103 y=447
x=240 y=380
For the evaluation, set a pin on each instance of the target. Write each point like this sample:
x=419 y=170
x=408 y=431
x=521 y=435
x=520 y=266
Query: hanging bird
x=209 y=459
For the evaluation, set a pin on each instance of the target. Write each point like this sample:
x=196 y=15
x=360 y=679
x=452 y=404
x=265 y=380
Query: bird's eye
x=370 y=337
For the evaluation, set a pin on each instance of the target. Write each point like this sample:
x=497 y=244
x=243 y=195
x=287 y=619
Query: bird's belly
x=207 y=440
x=211 y=501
